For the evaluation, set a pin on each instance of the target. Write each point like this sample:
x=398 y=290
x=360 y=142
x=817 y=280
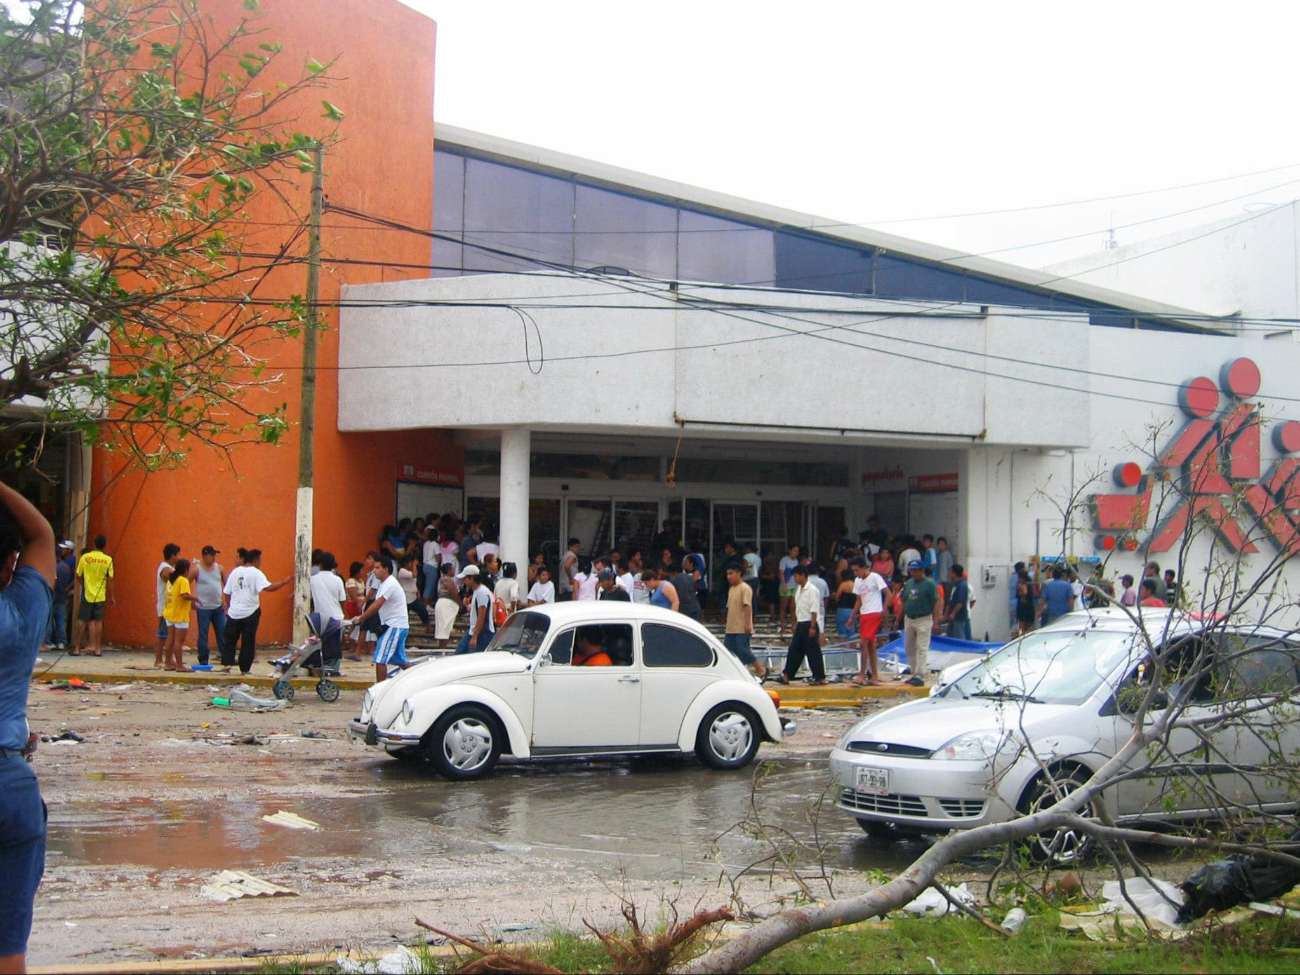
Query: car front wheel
x=1063 y=846
x=464 y=743
x=728 y=737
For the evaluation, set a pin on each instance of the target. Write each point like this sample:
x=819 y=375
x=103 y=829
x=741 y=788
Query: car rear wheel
x=1063 y=846
x=464 y=743
x=728 y=737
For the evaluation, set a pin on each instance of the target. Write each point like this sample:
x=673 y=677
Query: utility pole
x=307 y=413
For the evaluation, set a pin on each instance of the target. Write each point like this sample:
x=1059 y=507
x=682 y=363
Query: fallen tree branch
x=492 y=961
x=967 y=909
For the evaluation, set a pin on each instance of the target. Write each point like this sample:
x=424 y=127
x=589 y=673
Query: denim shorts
x=22 y=851
x=738 y=644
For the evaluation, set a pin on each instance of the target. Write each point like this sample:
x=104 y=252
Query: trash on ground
x=1273 y=910
x=1237 y=879
x=242 y=700
x=1015 y=918
x=292 y=820
x=931 y=903
x=399 y=962
x=250 y=740
x=1158 y=900
x=231 y=884
x=313 y=733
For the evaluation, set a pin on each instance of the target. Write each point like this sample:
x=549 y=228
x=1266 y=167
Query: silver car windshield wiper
x=1006 y=694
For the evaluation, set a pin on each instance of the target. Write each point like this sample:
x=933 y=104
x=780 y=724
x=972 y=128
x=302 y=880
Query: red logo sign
x=1214 y=463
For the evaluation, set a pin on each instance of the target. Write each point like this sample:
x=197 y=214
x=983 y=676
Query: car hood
x=933 y=722
x=390 y=694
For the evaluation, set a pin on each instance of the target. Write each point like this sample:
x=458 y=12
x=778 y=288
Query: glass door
x=735 y=521
x=589 y=523
x=635 y=526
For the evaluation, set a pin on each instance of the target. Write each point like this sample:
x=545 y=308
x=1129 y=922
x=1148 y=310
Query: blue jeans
x=430 y=579
x=421 y=610
x=484 y=639
x=842 y=617
x=22 y=850
x=738 y=644
x=959 y=629
x=59 y=623
x=217 y=619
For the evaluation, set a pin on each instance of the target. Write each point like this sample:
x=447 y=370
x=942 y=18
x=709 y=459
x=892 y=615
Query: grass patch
x=1269 y=946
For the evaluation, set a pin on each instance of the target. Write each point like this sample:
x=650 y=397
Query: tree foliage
x=137 y=143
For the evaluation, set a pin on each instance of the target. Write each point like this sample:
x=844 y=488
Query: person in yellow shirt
x=95 y=570
x=176 y=612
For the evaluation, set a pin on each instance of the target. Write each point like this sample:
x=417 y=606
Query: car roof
x=1157 y=620
x=595 y=610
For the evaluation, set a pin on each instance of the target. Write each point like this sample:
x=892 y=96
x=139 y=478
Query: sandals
x=782 y=679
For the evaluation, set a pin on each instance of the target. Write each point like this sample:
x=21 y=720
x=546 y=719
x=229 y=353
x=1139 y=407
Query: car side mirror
x=544 y=659
x=1130 y=695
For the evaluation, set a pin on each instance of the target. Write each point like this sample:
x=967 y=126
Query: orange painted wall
x=383 y=164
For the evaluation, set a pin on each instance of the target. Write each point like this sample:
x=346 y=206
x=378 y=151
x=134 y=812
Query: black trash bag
x=1236 y=880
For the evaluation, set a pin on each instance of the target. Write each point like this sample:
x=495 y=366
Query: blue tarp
x=944 y=651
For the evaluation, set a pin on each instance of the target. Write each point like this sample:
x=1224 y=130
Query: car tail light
x=776 y=698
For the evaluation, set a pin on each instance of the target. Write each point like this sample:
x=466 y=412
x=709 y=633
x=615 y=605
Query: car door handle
x=629 y=680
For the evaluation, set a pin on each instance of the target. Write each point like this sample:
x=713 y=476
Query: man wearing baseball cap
x=609 y=589
x=919 y=597
x=65 y=573
x=481 y=626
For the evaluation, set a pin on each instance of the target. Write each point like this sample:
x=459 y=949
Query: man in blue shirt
x=65 y=575
x=1058 y=596
x=26 y=575
x=958 y=615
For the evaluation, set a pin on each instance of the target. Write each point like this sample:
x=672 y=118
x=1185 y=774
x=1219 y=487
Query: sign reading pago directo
x=1214 y=462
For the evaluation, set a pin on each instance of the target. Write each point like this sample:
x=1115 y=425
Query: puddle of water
x=655 y=820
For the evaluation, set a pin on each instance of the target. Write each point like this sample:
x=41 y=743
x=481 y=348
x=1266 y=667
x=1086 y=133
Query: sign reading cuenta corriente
x=1214 y=462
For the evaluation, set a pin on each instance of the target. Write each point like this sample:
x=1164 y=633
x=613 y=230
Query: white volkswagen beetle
x=670 y=687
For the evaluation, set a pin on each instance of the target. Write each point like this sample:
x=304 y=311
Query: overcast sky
x=876 y=113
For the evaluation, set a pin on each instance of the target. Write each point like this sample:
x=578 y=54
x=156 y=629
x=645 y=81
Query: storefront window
x=589 y=524
x=635 y=524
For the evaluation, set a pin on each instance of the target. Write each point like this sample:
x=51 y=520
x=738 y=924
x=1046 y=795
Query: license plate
x=872 y=780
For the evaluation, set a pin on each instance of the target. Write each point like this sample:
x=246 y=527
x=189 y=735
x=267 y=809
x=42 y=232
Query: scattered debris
x=313 y=733
x=231 y=884
x=1014 y=920
x=250 y=740
x=493 y=961
x=1235 y=880
x=931 y=903
x=292 y=820
x=1157 y=900
x=399 y=962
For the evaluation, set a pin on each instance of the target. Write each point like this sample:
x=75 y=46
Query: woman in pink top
x=883 y=564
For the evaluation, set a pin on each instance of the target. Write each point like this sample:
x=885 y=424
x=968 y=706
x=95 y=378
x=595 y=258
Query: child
x=176 y=612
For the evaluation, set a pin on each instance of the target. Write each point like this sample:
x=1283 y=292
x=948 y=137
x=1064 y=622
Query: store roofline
x=496 y=149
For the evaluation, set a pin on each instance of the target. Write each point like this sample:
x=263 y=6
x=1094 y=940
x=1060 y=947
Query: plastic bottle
x=221 y=702
x=1015 y=918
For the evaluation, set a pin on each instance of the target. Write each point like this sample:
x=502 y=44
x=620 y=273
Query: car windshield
x=1052 y=667
x=523 y=634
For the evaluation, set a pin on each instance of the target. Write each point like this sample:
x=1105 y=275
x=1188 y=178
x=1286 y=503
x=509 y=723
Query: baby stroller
x=320 y=656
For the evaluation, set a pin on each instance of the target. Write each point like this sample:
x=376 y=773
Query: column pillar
x=516 y=456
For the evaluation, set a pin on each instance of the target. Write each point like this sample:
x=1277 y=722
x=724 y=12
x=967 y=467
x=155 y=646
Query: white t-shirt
x=449 y=552
x=507 y=590
x=820 y=585
x=871 y=590
x=244 y=585
x=570 y=559
x=481 y=602
x=753 y=564
x=585 y=583
x=406 y=579
x=432 y=553
x=626 y=581
x=327 y=595
x=542 y=593
x=394 y=612
x=161 y=585
x=640 y=594
x=484 y=549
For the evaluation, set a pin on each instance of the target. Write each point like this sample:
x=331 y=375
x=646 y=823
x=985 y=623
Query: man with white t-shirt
x=327 y=599
x=869 y=589
x=507 y=588
x=543 y=590
x=481 y=626
x=390 y=606
x=569 y=568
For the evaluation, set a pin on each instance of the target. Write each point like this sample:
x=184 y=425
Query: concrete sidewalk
x=121 y=666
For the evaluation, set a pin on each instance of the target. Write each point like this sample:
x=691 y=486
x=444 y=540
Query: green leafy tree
x=142 y=149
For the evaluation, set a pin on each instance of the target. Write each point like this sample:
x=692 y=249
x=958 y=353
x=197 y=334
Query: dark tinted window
x=667 y=646
x=562 y=648
x=523 y=633
x=1255 y=666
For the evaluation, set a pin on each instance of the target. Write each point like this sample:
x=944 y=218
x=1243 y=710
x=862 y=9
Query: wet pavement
x=649 y=820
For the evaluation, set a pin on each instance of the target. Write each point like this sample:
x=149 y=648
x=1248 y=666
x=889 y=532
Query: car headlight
x=367 y=702
x=408 y=710
x=974 y=746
